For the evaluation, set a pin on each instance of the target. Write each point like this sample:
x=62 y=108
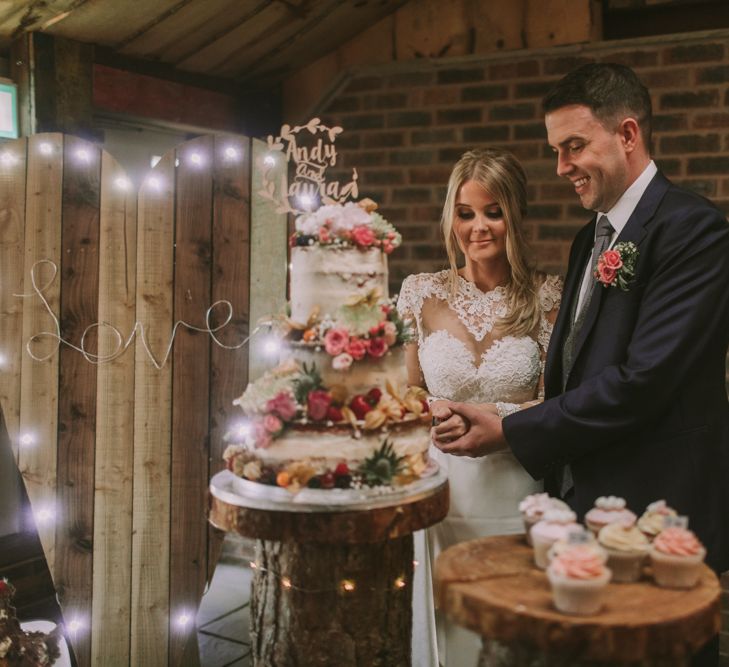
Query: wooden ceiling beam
x=154 y=22
x=252 y=14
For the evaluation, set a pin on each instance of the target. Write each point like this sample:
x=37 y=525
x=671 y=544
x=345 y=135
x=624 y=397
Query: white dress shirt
x=618 y=216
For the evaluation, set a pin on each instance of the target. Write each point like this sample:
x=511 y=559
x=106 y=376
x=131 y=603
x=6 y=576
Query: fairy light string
x=346 y=586
x=120 y=343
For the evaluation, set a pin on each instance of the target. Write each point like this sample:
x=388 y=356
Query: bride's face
x=479 y=224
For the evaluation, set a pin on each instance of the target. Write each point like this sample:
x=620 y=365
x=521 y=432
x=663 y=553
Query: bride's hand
x=483 y=435
x=447 y=425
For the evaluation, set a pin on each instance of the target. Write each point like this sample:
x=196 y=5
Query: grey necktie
x=603 y=233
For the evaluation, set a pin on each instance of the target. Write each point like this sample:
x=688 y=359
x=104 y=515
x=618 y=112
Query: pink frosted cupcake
x=652 y=520
x=533 y=507
x=676 y=555
x=627 y=549
x=578 y=577
x=578 y=536
x=608 y=509
x=555 y=525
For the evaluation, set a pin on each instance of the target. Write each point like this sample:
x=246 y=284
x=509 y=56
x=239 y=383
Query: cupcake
x=555 y=525
x=578 y=577
x=676 y=555
x=533 y=507
x=578 y=536
x=626 y=548
x=651 y=522
x=608 y=509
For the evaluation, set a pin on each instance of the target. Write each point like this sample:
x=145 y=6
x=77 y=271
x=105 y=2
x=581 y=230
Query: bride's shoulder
x=418 y=287
x=425 y=283
x=550 y=290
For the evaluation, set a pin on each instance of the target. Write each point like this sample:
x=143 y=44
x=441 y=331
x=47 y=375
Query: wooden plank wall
x=121 y=452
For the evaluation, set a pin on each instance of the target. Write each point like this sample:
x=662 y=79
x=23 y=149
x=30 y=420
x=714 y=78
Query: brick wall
x=405 y=125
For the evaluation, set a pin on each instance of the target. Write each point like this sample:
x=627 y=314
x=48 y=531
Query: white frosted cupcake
x=533 y=507
x=652 y=520
x=555 y=525
x=676 y=556
x=578 y=577
x=608 y=509
x=627 y=549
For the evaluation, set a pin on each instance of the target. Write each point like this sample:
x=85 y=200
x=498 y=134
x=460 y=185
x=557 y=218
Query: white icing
x=324 y=277
x=337 y=446
x=362 y=375
x=610 y=503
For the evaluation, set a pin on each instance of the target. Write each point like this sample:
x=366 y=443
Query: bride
x=483 y=331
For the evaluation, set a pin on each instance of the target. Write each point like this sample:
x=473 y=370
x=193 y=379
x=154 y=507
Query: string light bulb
x=45 y=148
x=83 y=155
x=400 y=583
x=183 y=619
x=75 y=625
x=154 y=182
x=348 y=585
x=269 y=160
x=7 y=158
x=3 y=360
x=122 y=183
x=271 y=346
x=231 y=153
x=243 y=430
x=196 y=159
x=45 y=515
x=286 y=583
x=27 y=439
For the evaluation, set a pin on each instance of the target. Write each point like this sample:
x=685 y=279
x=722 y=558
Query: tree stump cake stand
x=332 y=585
x=492 y=587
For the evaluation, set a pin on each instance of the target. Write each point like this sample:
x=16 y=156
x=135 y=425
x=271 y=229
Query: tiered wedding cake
x=336 y=413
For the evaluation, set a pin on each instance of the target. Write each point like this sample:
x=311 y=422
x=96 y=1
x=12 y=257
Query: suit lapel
x=634 y=231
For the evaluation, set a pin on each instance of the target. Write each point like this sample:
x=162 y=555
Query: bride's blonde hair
x=500 y=174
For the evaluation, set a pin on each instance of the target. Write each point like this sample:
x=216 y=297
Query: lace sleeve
x=550 y=297
x=410 y=301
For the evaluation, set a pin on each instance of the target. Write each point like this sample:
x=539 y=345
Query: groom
x=636 y=403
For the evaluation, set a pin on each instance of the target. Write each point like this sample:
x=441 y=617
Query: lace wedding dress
x=463 y=358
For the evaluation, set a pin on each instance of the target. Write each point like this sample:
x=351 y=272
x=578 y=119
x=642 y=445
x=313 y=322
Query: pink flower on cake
x=323 y=235
x=377 y=347
x=272 y=424
x=363 y=236
x=342 y=362
x=357 y=348
x=317 y=403
x=283 y=405
x=261 y=436
x=335 y=341
x=390 y=331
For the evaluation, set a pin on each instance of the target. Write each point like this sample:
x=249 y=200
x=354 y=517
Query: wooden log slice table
x=492 y=587
x=332 y=583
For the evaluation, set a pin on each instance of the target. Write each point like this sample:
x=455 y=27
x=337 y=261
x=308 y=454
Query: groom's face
x=591 y=156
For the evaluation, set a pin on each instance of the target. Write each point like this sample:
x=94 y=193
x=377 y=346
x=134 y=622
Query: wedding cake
x=336 y=412
x=17 y=647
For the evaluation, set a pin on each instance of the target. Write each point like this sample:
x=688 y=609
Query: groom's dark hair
x=611 y=91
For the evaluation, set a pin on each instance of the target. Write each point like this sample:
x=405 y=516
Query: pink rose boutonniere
x=616 y=267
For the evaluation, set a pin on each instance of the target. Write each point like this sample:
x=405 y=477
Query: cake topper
x=311 y=155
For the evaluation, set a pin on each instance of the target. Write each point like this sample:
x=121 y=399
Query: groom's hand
x=484 y=434
x=447 y=425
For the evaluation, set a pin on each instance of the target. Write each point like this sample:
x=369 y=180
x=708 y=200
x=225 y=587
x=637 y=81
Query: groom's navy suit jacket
x=644 y=414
